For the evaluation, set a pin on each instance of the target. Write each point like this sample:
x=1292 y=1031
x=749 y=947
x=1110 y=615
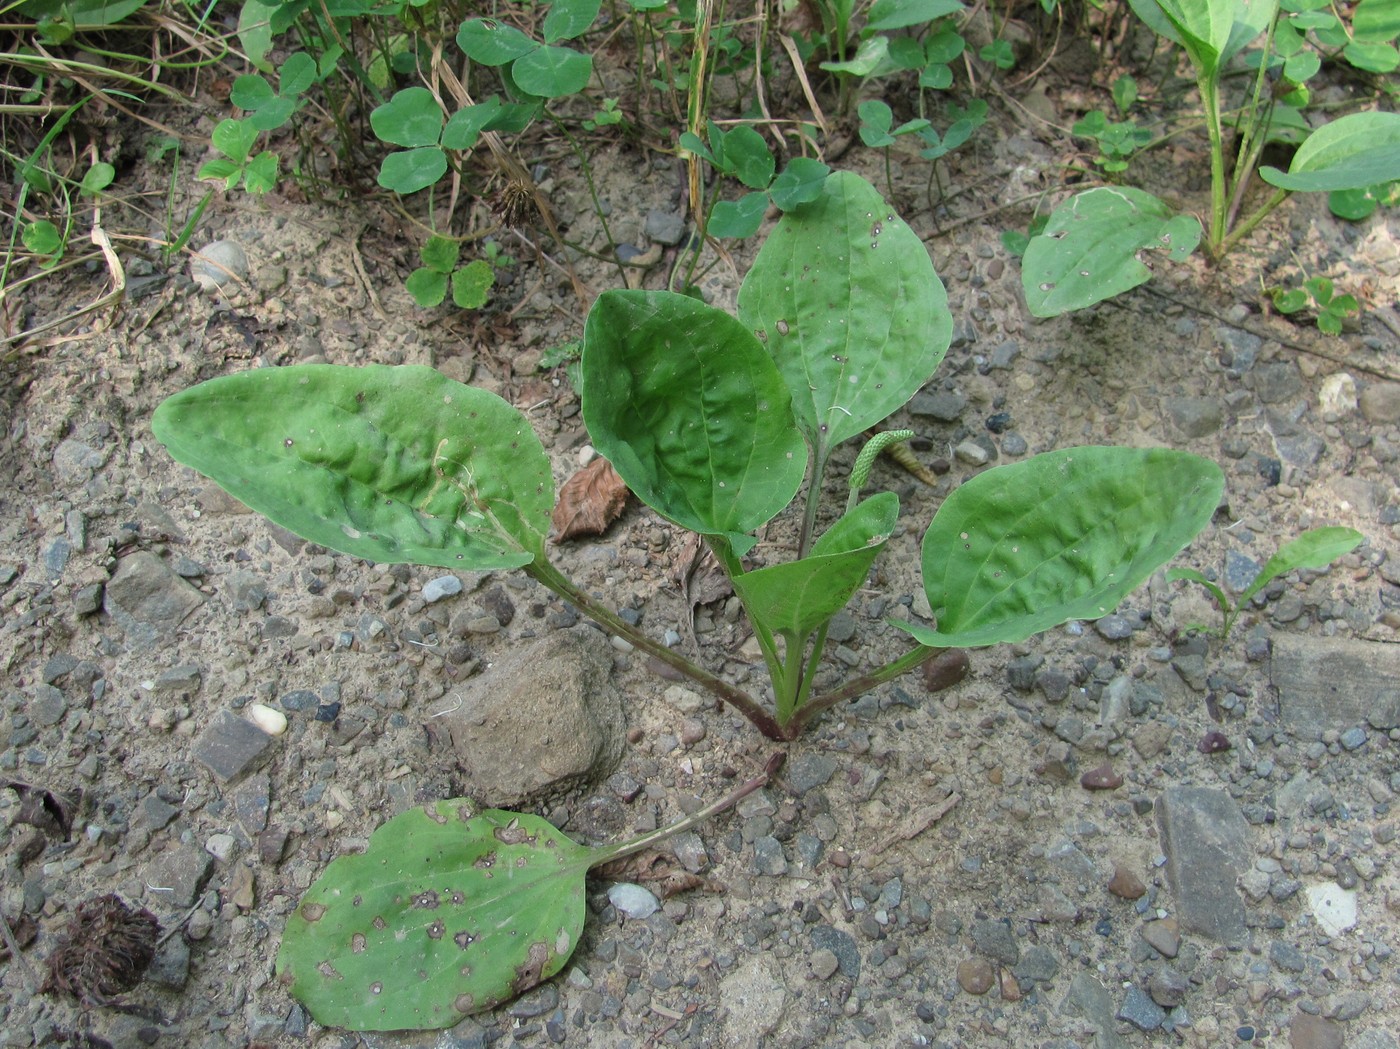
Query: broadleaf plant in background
x=714 y=422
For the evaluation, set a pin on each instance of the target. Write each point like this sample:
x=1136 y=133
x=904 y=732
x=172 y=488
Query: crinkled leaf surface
x=797 y=597
x=448 y=912
x=1088 y=250
x=844 y=296
x=691 y=411
x=393 y=464
x=1351 y=152
x=1063 y=535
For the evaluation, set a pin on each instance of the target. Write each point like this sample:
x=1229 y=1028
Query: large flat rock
x=1335 y=683
x=1206 y=842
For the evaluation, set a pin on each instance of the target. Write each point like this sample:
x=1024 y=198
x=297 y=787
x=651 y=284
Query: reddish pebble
x=946 y=669
x=634 y=735
x=1125 y=884
x=1010 y=988
x=975 y=975
x=692 y=731
x=840 y=858
x=1213 y=743
x=1101 y=778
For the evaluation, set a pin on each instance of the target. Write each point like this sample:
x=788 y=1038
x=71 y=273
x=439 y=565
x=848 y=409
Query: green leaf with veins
x=396 y=465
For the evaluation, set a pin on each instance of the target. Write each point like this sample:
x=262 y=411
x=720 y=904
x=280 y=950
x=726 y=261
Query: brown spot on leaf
x=514 y=834
x=313 y=912
x=426 y=900
x=329 y=971
x=527 y=973
x=358 y=943
x=464 y=1003
x=379 y=923
x=464 y=939
x=458 y=896
x=430 y=810
x=436 y=930
x=589 y=501
x=485 y=861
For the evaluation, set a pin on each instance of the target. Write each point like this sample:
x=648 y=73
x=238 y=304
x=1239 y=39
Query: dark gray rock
x=996 y=940
x=945 y=405
x=1141 y=1011
x=768 y=856
x=146 y=599
x=841 y=944
x=1205 y=839
x=1335 y=683
x=1277 y=381
x=230 y=746
x=1240 y=571
x=1114 y=627
x=665 y=227
x=809 y=771
x=544 y=719
x=47 y=707
x=175 y=877
x=1039 y=965
x=1090 y=999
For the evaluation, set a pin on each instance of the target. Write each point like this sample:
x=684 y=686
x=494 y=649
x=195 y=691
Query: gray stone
x=1335 y=683
x=219 y=263
x=752 y=1003
x=47 y=707
x=1206 y=842
x=841 y=944
x=230 y=746
x=1277 y=381
x=633 y=900
x=1195 y=416
x=175 y=877
x=1090 y=999
x=809 y=771
x=1287 y=957
x=1374 y=1039
x=996 y=940
x=171 y=966
x=1353 y=738
x=157 y=813
x=1191 y=668
x=544 y=719
x=442 y=586
x=1038 y=966
x=945 y=405
x=972 y=453
x=1114 y=627
x=1168 y=987
x=665 y=227
x=1141 y=1011
x=1380 y=402
x=184 y=678
x=823 y=963
x=1240 y=571
x=147 y=599
x=1300 y=449
x=75 y=462
x=768 y=856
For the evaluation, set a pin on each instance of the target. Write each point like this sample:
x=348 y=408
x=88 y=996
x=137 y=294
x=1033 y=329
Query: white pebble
x=586 y=454
x=1333 y=906
x=442 y=586
x=220 y=846
x=269 y=719
x=219 y=263
x=633 y=900
x=620 y=643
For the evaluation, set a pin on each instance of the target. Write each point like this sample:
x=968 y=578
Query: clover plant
x=714 y=422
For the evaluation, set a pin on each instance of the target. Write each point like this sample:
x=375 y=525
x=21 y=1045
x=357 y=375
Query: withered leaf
x=658 y=869
x=47 y=810
x=589 y=501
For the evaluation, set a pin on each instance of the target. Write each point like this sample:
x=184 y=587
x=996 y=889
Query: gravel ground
x=1120 y=833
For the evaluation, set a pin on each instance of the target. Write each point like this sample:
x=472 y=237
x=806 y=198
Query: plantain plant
x=714 y=422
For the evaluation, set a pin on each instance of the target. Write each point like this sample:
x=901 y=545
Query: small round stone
x=218 y=264
x=975 y=975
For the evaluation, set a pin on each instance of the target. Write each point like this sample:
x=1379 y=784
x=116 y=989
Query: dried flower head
x=103 y=952
x=512 y=203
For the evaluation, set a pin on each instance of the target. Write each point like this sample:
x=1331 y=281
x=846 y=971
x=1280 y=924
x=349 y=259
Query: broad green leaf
x=1357 y=204
x=260 y=173
x=465 y=126
x=97 y=178
x=796 y=597
x=389 y=464
x=1316 y=548
x=42 y=237
x=738 y=218
x=1063 y=535
x=411 y=118
x=251 y=91
x=472 y=284
x=234 y=139
x=513 y=117
x=408 y=171
x=427 y=286
x=493 y=43
x=255 y=31
x=220 y=170
x=876 y=118
x=1376 y=21
x=552 y=72
x=440 y=253
x=798 y=183
x=844 y=297
x=448 y=913
x=999 y=53
x=748 y=156
x=1351 y=152
x=297 y=74
x=1372 y=57
x=690 y=410
x=1211 y=31
x=899 y=14
x=872 y=54
x=274 y=113
x=568 y=19
x=943 y=47
x=1088 y=251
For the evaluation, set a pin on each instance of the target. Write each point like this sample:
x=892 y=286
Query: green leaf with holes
x=449 y=912
x=1351 y=152
x=690 y=410
x=1088 y=250
x=1063 y=535
x=844 y=297
x=392 y=464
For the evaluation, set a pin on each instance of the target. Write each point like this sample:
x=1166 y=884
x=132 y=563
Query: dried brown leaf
x=659 y=870
x=48 y=810
x=590 y=500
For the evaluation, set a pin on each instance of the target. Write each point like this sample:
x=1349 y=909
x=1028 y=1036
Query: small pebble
x=692 y=731
x=1125 y=884
x=975 y=975
x=219 y=263
x=442 y=586
x=824 y=964
x=633 y=900
x=1101 y=778
x=269 y=719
